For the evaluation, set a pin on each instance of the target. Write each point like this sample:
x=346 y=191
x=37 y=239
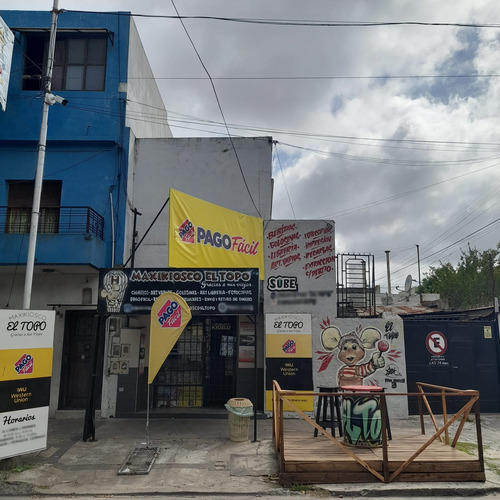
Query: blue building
x=101 y=70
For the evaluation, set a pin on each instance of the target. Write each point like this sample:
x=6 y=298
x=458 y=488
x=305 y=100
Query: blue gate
x=454 y=352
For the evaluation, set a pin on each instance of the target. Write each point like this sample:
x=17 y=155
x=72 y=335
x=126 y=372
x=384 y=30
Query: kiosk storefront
x=214 y=356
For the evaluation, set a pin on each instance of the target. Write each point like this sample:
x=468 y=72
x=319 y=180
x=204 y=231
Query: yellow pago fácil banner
x=169 y=316
x=202 y=234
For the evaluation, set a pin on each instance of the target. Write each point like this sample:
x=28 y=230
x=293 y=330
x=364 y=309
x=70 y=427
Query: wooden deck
x=306 y=459
x=414 y=454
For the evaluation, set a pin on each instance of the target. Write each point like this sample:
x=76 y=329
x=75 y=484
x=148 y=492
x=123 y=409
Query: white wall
x=303 y=252
x=146 y=114
x=52 y=291
x=206 y=168
x=391 y=376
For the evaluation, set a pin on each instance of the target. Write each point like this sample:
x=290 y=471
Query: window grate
x=355 y=286
x=200 y=370
x=179 y=383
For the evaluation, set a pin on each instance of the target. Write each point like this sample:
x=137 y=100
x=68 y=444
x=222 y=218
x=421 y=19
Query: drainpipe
x=112 y=226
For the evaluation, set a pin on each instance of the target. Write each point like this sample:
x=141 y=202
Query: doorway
x=80 y=333
x=200 y=370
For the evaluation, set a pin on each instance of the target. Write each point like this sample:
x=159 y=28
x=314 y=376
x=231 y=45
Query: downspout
x=112 y=226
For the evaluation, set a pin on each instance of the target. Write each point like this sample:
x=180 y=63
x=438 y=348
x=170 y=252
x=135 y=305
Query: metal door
x=79 y=334
x=220 y=367
x=200 y=370
x=457 y=354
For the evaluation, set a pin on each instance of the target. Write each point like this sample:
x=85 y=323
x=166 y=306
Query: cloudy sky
x=391 y=130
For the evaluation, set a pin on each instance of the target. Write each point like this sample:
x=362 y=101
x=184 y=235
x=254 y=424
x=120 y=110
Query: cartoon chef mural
x=351 y=351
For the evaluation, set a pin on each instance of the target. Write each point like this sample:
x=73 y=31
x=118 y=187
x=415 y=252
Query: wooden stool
x=322 y=417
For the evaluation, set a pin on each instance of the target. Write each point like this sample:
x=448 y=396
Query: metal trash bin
x=239 y=412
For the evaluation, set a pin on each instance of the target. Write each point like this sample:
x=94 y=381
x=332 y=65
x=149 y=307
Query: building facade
x=220 y=354
x=102 y=71
x=109 y=166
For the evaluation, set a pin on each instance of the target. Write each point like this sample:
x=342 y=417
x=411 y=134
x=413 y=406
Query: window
x=20 y=202
x=79 y=62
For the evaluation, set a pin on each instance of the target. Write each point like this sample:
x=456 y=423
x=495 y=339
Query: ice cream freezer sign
x=26 y=345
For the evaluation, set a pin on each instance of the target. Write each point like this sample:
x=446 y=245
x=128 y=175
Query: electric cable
x=296 y=22
x=283 y=175
x=220 y=109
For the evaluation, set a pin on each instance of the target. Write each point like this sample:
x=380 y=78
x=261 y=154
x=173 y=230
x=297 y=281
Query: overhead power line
x=220 y=109
x=317 y=77
x=297 y=22
x=360 y=208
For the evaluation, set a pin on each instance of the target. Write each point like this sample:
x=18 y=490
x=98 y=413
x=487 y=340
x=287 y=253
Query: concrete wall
x=206 y=168
x=51 y=292
x=390 y=373
x=146 y=114
x=299 y=288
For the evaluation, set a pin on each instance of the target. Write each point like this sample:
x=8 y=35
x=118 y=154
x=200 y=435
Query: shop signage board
x=206 y=291
x=26 y=348
x=299 y=297
x=289 y=355
x=202 y=234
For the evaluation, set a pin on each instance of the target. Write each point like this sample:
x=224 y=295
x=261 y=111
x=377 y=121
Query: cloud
x=390 y=159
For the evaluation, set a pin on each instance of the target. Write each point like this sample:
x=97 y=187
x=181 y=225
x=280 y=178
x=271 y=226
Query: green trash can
x=239 y=412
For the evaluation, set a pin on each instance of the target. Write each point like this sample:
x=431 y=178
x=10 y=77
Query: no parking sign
x=436 y=343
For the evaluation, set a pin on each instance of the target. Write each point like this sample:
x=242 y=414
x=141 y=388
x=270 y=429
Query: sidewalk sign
x=26 y=347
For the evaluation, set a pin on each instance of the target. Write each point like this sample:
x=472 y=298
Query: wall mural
x=351 y=350
x=357 y=351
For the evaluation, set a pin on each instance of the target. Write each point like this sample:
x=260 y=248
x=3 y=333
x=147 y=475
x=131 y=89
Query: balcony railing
x=53 y=220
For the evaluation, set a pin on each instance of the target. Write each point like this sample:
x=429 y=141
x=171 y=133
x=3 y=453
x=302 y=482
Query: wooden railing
x=462 y=415
x=281 y=398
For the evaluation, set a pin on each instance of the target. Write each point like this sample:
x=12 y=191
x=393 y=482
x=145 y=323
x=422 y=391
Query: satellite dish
x=408 y=282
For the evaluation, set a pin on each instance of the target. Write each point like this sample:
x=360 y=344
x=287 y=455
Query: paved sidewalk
x=197 y=457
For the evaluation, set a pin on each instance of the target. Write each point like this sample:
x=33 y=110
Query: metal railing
x=53 y=220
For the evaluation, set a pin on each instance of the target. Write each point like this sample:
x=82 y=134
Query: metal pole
x=89 y=421
x=256 y=380
x=147 y=416
x=388 y=272
x=112 y=227
x=418 y=261
x=492 y=276
x=37 y=192
x=134 y=236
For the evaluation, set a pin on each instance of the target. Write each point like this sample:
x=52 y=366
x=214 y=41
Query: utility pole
x=388 y=272
x=418 y=261
x=37 y=191
x=492 y=277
